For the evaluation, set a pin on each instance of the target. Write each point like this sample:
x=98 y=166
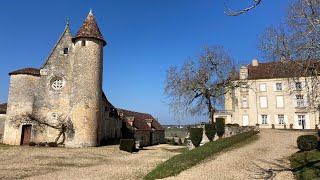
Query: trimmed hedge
x=307 y=142
x=196 y=136
x=210 y=130
x=52 y=144
x=127 y=145
x=220 y=127
x=32 y=144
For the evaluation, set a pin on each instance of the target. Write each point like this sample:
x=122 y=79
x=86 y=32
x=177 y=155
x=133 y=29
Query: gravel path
x=108 y=162
x=252 y=161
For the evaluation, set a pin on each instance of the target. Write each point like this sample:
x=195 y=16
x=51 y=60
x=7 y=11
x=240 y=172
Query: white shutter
x=263 y=102
x=307 y=122
x=260 y=119
x=279 y=101
x=275 y=87
x=294 y=100
x=283 y=86
x=286 y=119
x=295 y=122
x=269 y=119
x=303 y=85
x=306 y=101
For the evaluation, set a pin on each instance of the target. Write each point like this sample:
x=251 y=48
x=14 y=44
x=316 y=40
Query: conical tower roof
x=90 y=29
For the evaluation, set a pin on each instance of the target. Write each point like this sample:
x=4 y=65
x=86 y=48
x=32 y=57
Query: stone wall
x=157 y=137
x=143 y=137
x=3 y=118
x=20 y=103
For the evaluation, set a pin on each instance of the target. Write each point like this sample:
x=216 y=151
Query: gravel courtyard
x=108 y=162
x=252 y=161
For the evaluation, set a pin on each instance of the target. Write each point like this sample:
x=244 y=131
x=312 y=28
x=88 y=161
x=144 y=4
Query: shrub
x=235 y=125
x=196 y=136
x=32 y=143
x=52 y=144
x=127 y=145
x=42 y=144
x=307 y=142
x=319 y=132
x=229 y=125
x=210 y=130
x=179 y=141
x=291 y=126
x=220 y=126
x=272 y=125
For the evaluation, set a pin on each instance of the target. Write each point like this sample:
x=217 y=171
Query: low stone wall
x=230 y=131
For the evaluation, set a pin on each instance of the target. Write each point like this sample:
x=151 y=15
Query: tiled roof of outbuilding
x=140 y=120
x=3 y=108
x=30 y=71
x=90 y=29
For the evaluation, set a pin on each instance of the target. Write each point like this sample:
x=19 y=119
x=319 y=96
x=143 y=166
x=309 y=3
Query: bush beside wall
x=196 y=136
x=307 y=142
x=220 y=126
x=210 y=130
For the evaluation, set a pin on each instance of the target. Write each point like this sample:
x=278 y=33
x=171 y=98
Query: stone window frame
x=281 y=119
x=264 y=119
x=263 y=89
x=279 y=87
x=57 y=83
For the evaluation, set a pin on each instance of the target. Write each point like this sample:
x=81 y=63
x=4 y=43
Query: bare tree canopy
x=200 y=84
x=231 y=12
x=298 y=37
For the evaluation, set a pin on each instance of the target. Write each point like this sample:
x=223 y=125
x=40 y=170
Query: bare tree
x=200 y=84
x=231 y=12
x=41 y=123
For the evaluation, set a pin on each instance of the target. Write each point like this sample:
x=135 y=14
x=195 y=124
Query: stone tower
x=86 y=91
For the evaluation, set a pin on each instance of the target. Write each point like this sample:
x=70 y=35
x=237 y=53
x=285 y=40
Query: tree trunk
x=210 y=110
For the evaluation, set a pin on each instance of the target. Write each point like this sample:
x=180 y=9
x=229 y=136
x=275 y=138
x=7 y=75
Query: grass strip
x=306 y=165
x=186 y=160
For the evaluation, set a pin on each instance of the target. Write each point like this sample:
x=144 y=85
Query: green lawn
x=181 y=162
x=306 y=165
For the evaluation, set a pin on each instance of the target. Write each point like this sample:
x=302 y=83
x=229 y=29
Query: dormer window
x=83 y=43
x=65 y=50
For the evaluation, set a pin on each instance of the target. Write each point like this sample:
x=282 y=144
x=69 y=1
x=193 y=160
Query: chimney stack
x=255 y=62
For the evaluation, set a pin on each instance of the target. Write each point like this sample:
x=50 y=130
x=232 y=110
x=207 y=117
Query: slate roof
x=280 y=69
x=140 y=120
x=3 y=108
x=30 y=71
x=90 y=29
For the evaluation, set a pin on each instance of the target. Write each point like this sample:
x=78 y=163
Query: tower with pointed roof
x=66 y=90
x=87 y=81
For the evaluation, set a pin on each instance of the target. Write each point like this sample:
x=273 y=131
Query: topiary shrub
x=272 y=126
x=196 y=136
x=235 y=125
x=42 y=144
x=52 y=144
x=32 y=144
x=220 y=126
x=127 y=145
x=229 y=125
x=211 y=130
x=291 y=126
x=307 y=142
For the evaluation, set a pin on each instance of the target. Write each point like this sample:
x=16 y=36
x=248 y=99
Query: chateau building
x=63 y=101
x=267 y=95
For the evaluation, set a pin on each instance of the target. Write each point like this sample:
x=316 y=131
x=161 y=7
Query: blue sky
x=145 y=38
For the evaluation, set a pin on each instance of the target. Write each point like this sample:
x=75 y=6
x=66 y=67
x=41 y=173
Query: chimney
x=149 y=121
x=243 y=72
x=130 y=121
x=255 y=62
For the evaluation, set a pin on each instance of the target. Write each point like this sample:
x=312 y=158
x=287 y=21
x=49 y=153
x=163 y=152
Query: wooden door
x=26 y=134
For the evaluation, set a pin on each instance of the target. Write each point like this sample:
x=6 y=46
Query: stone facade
x=267 y=97
x=65 y=93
